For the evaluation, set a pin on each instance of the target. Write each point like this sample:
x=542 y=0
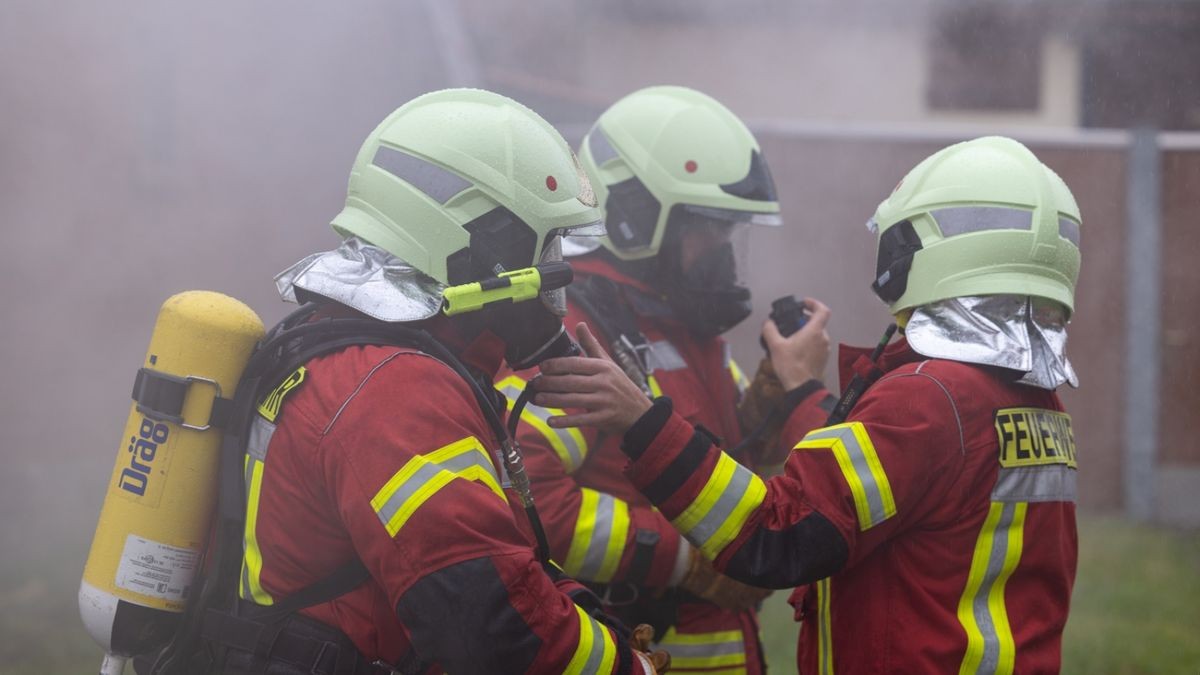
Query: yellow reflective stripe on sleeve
x=601 y=530
x=652 y=382
x=735 y=371
x=424 y=475
x=705 y=651
x=718 y=513
x=856 y=457
x=824 y=629
x=568 y=444
x=981 y=609
x=596 y=653
x=252 y=562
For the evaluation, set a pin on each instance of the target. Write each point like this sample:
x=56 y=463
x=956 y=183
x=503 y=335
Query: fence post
x=1143 y=264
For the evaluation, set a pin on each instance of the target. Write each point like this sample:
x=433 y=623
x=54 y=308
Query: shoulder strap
x=343 y=580
x=296 y=340
x=600 y=298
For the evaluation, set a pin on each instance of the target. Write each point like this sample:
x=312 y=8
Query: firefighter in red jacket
x=679 y=175
x=457 y=203
x=934 y=527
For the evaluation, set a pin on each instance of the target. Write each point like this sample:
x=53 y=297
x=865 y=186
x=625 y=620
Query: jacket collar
x=483 y=353
x=896 y=354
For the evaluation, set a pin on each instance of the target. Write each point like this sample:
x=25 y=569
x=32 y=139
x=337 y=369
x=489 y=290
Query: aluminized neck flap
x=1017 y=332
x=366 y=278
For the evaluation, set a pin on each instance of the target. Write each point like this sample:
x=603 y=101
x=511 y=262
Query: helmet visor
x=713 y=244
x=727 y=215
x=587 y=197
x=555 y=300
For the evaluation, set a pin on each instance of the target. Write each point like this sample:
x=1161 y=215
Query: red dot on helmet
x=690 y=166
x=551 y=183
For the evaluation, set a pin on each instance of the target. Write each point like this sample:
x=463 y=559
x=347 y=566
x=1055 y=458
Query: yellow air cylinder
x=158 y=509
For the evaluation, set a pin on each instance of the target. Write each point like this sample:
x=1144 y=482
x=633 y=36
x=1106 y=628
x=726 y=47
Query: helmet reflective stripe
x=963 y=219
x=431 y=179
x=1069 y=230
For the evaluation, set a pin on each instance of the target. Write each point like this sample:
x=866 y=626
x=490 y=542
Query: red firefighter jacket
x=938 y=523
x=382 y=453
x=600 y=527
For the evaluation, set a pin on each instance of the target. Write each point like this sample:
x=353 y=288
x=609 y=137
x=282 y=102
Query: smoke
x=148 y=148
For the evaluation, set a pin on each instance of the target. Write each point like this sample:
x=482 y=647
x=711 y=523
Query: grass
x=1136 y=608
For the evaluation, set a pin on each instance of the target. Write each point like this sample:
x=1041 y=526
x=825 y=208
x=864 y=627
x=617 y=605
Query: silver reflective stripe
x=424 y=474
x=568 y=441
x=662 y=355
x=429 y=178
x=703 y=651
x=700 y=651
x=979 y=604
x=1069 y=230
x=602 y=149
x=957 y=220
x=858 y=459
x=260 y=438
x=511 y=392
x=593 y=560
x=1046 y=483
x=739 y=482
x=596 y=656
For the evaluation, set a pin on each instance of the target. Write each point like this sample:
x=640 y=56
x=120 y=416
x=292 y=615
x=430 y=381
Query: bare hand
x=595 y=384
x=802 y=355
x=641 y=640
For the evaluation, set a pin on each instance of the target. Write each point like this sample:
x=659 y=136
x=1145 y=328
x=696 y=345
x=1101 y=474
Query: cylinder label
x=155 y=569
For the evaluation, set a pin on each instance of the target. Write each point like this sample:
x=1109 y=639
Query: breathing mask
x=705 y=253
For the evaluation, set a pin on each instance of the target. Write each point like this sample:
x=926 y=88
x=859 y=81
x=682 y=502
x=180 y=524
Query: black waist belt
x=628 y=591
x=308 y=645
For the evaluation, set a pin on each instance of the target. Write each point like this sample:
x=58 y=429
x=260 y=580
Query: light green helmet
x=663 y=151
x=983 y=217
x=460 y=181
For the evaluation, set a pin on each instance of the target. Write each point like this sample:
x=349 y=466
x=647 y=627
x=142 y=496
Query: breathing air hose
x=514 y=461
